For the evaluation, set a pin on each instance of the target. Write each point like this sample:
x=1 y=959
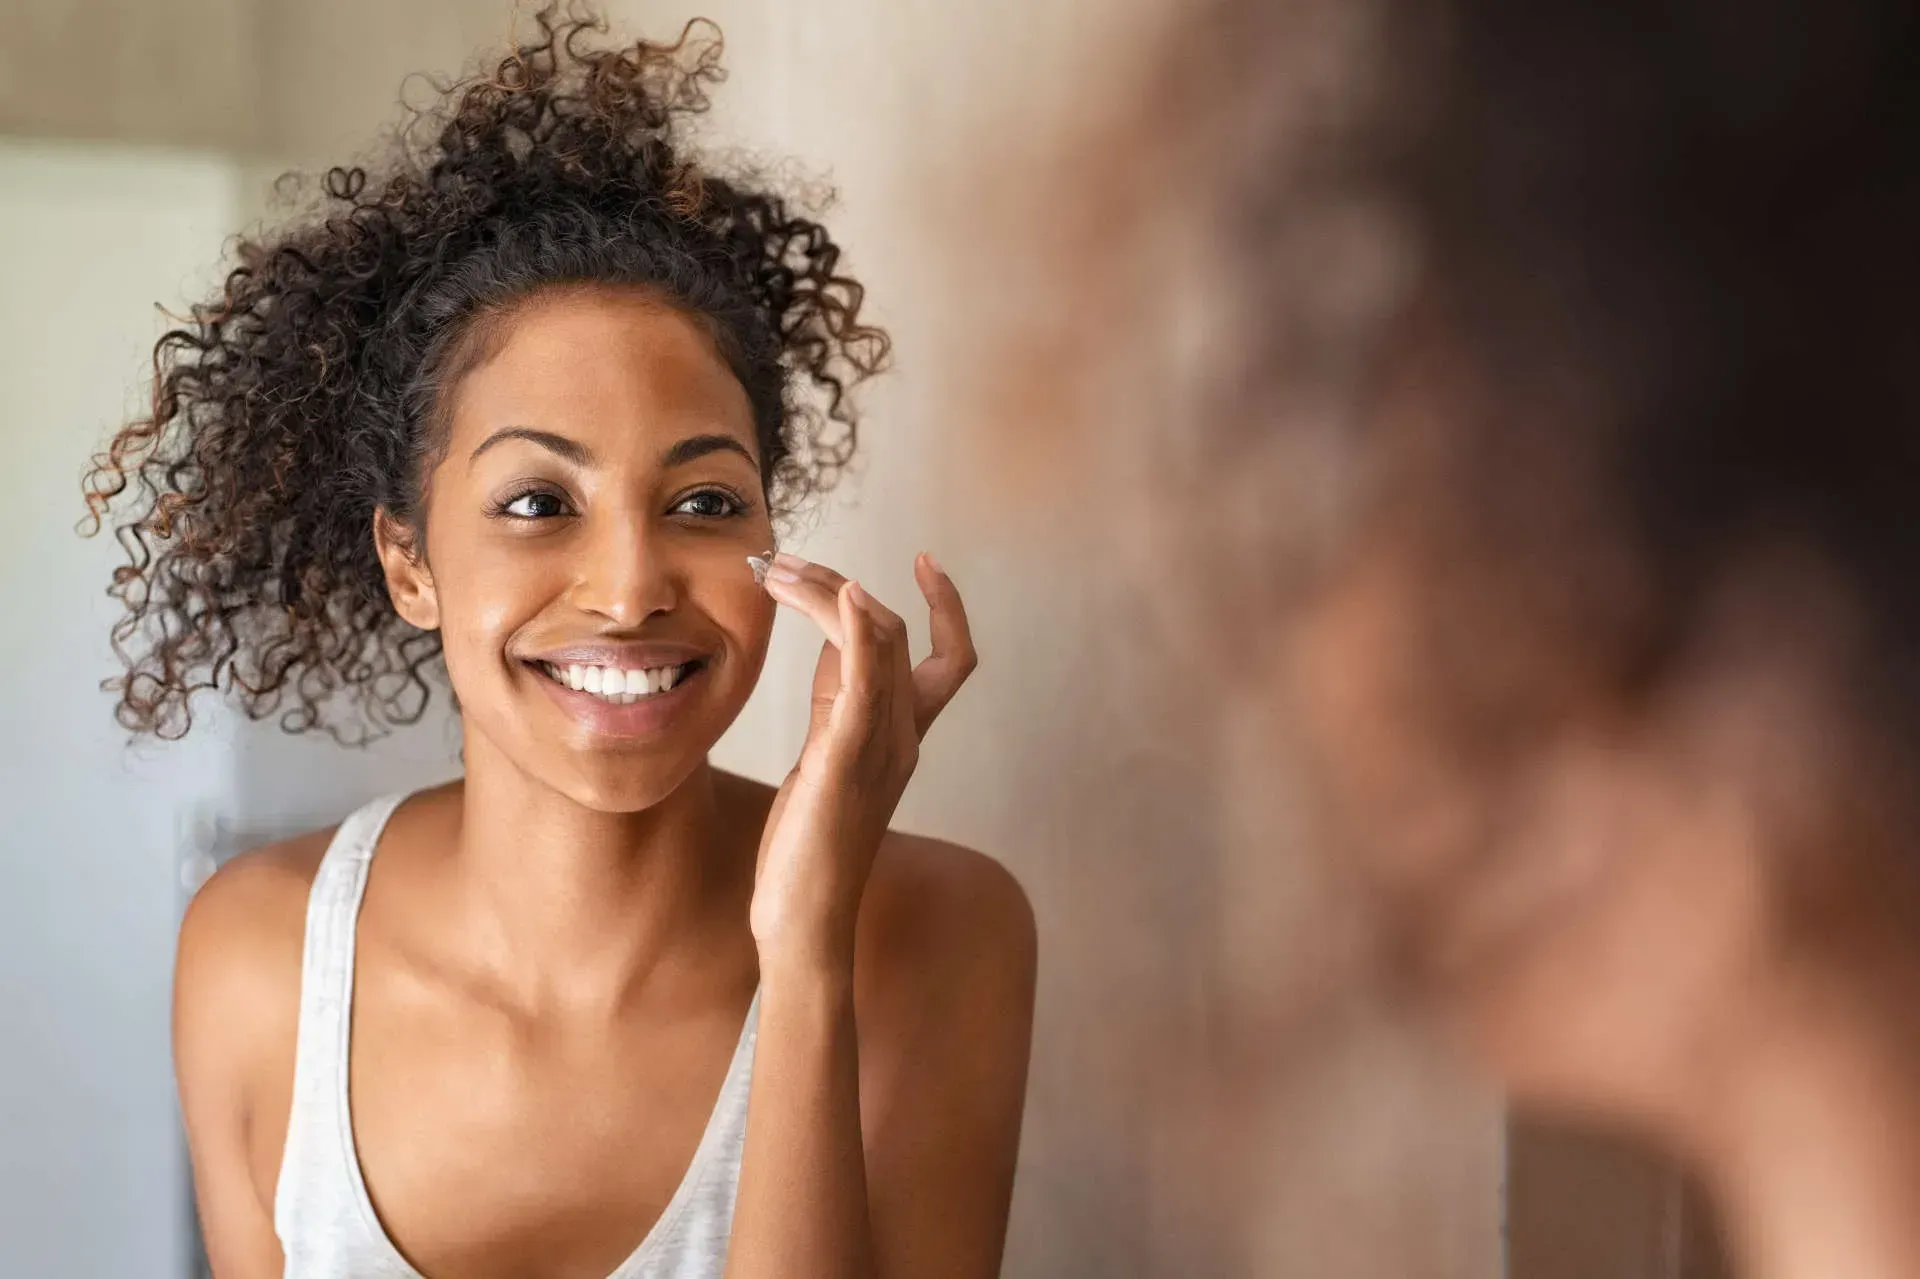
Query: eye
x=709 y=504
x=536 y=505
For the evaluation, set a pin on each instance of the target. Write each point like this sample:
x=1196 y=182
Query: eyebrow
x=572 y=450
x=679 y=454
x=699 y=446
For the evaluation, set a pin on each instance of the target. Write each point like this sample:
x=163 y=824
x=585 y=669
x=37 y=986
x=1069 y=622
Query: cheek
x=486 y=594
x=743 y=610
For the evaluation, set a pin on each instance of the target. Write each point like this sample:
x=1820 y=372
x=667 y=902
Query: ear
x=409 y=581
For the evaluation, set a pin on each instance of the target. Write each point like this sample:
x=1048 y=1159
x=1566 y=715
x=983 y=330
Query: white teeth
x=613 y=683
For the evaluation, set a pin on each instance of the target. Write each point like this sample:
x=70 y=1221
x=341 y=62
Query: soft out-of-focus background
x=1210 y=1095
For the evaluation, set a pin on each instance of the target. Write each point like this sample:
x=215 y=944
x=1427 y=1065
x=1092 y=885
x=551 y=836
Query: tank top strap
x=317 y=1165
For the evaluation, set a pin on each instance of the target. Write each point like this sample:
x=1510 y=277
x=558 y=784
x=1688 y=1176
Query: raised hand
x=870 y=709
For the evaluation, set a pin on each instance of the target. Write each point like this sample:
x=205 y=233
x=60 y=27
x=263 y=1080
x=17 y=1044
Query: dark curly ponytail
x=311 y=392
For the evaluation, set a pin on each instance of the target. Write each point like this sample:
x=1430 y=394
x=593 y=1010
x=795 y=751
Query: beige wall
x=246 y=78
x=334 y=71
x=181 y=74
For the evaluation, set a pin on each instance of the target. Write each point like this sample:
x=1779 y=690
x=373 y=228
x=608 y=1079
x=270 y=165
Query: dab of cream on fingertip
x=761 y=566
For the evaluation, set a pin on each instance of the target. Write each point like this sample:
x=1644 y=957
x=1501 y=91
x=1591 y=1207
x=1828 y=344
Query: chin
x=613 y=784
x=599 y=773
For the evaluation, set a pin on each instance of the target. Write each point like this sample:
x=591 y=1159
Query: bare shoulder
x=237 y=971
x=935 y=909
x=256 y=902
x=945 y=964
x=236 y=1019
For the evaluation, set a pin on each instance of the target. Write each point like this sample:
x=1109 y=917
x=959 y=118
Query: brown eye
x=537 y=505
x=711 y=504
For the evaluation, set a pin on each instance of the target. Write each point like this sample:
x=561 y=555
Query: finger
x=787 y=565
x=860 y=685
x=894 y=662
x=939 y=677
x=892 y=628
x=809 y=589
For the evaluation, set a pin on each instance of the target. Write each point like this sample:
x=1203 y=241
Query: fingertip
x=779 y=587
x=930 y=577
x=852 y=601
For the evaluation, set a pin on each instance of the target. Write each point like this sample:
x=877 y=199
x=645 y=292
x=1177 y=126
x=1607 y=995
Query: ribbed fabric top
x=321 y=1209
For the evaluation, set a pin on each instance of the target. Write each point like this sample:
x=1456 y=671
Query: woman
x=529 y=401
x=1548 y=476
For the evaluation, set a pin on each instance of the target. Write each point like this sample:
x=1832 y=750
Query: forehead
x=616 y=370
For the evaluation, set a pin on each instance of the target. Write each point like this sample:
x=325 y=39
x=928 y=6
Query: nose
x=624 y=575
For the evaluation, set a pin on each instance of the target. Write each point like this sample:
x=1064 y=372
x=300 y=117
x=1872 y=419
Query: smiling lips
x=614 y=684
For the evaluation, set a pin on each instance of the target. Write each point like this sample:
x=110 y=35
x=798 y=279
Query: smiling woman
x=602 y=463
x=531 y=400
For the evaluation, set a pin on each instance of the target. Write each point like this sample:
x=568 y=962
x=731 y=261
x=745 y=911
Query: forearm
x=802 y=1204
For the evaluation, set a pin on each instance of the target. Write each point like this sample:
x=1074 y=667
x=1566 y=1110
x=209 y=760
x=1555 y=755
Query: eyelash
x=502 y=508
x=736 y=506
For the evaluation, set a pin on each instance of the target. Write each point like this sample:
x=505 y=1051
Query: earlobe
x=409 y=581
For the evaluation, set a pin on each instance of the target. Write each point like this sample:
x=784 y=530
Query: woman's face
x=585 y=547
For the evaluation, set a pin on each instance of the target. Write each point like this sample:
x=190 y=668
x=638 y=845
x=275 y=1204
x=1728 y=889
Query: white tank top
x=321 y=1210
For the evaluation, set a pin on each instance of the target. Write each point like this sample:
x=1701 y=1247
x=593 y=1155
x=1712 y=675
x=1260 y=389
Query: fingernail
x=932 y=563
x=793 y=563
x=781 y=573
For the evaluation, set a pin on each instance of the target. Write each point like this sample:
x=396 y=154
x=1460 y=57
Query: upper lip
x=636 y=656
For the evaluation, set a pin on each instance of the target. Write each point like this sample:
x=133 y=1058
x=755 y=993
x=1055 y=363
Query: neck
x=1811 y=1142
x=568 y=904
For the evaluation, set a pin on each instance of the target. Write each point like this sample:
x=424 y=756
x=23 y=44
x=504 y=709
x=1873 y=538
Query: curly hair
x=311 y=393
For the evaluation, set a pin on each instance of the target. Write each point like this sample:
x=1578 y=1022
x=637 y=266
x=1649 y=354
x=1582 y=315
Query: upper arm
x=944 y=1000
x=235 y=1017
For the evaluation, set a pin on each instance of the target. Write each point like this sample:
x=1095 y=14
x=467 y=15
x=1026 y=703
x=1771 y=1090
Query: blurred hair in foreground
x=1520 y=401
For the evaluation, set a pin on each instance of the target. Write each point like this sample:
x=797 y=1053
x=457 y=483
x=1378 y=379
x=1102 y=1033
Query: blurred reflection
x=1513 y=401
